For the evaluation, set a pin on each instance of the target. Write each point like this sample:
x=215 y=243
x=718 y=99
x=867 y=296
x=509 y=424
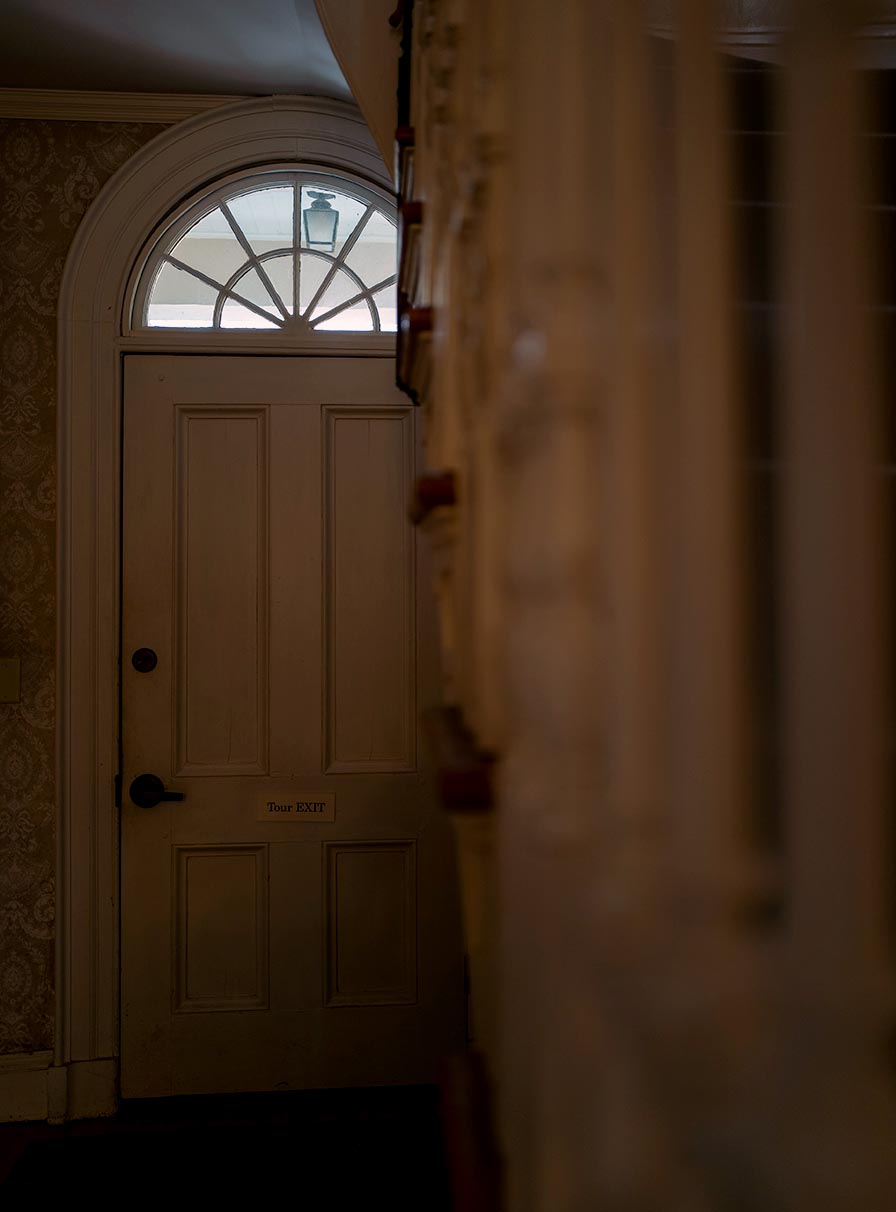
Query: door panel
x=268 y=561
x=221 y=494
x=220 y=928
x=370 y=591
x=371 y=923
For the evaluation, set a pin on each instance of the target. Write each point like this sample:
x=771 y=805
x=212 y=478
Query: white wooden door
x=269 y=566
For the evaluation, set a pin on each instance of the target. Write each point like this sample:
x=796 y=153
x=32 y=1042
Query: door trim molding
x=178 y=162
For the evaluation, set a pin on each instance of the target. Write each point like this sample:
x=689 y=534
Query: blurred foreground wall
x=649 y=287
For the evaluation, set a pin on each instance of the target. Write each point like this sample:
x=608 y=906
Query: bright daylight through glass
x=293 y=254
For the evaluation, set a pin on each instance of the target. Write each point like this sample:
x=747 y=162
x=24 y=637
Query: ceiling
x=243 y=47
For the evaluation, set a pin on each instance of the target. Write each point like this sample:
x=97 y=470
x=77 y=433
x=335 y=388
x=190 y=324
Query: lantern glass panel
x=350 y=211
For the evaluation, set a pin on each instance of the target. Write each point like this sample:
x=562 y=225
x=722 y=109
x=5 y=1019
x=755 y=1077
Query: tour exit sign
x=301 y=807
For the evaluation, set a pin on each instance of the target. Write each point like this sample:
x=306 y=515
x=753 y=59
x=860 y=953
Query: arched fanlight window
x=282 y=250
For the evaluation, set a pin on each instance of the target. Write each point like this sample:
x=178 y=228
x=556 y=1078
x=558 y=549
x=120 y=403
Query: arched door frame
x=109 y=241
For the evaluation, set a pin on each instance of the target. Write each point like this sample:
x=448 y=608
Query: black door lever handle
x=147 y=790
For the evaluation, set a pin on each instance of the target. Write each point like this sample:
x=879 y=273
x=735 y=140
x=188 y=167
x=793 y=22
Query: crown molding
x=76 y=105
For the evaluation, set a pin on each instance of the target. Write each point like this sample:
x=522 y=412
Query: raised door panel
x=221 y=561
x=369 y=590
x=371 y=916
x=220 y=928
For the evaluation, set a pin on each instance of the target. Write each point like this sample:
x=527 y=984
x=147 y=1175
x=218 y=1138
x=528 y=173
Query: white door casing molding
x=303 y=130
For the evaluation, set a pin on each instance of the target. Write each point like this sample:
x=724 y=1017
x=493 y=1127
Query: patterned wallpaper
x=50 y=172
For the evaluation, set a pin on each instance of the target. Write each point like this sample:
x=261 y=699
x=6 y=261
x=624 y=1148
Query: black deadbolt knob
x=144 y=660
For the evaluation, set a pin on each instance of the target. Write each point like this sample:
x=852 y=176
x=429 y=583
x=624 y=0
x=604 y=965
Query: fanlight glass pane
x=386 y=301
x=214 y=225
x=374 y=253
x=211 y=247
x=180 y=300
x=356 y=318
x=251 y=287
x=312 y=271
x=235 y=315
x=265 y=217
x=349 y=210
x=280 y=271
x=342 y=287
x=236 y=266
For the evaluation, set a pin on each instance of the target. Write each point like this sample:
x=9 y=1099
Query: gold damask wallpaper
x=50 y=172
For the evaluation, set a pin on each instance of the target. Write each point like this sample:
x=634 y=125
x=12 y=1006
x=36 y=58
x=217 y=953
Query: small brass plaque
x=304 y=807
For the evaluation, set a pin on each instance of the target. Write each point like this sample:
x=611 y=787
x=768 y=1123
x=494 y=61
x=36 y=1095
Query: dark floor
x=335 y=1148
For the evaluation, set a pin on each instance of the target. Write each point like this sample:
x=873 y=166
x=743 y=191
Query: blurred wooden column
x=553 y=398
x=706 y=552
x=636 y=1153
x=652 y=1049
x=599 y=963
x=704 y=967
x=629 y=523
x=835 y=1128
x=455 y=275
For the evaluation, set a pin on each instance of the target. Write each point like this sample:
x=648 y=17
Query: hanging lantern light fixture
x=321 y=221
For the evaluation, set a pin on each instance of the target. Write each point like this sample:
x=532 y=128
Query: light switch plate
x=10 y=679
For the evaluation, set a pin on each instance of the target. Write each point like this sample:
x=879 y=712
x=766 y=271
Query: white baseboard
x=32 y=1088
x=92 y=1089
x=23 y=1086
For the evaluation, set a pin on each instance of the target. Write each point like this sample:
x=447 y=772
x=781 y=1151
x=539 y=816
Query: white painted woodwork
x=222 y=582
x=94 y=302
x=220 y=928
x=371 y=923
x=366 y=49
x=369 y=591
x=23 y=1085
x=268 y=560
x=33 y=1088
